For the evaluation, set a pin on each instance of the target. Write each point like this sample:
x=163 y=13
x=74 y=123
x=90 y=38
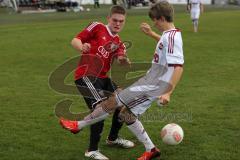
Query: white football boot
x=95 y=155
x=121 y=142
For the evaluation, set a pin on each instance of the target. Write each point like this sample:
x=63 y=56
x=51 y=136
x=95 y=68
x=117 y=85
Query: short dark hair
x=162 y=9
x=117 y=9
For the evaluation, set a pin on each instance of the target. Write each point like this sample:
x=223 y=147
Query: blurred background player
x=195 y=7
x=165 y=72
x=96 y=4
x=188 y=6
x=99 y=45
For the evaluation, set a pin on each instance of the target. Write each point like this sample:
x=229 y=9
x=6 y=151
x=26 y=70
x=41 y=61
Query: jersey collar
x=110 y=33
x=173 y=29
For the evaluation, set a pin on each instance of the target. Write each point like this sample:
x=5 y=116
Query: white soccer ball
x=172 y=134
x=88 y=9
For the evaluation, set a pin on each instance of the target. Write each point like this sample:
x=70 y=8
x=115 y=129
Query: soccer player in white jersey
x=195 y=7
x=164 y=74
x=146 y=28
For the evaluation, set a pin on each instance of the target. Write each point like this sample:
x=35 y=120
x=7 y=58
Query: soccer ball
x=172 y=134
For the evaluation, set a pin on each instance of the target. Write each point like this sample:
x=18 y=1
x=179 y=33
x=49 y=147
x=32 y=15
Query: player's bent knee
x=109 y=105
x=117 y=91
x=127 y=116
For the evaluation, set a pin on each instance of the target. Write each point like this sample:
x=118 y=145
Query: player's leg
x=113 y=137
x=197 y=20
x=116 y=123
x=95 y=129
x=95 y=135
x=195 y=17
x=195 y=25
x=136 y=127
x=93 y=97
x=136 y=104
x=101 y=112
x=137 y=99
x=98 y=5
x=116 y=126
x=88 y=89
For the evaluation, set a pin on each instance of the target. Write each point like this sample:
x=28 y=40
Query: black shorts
x=95 y=90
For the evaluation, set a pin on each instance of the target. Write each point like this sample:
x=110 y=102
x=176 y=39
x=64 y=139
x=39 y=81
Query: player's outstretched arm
x=79 y=46
x=146 y=28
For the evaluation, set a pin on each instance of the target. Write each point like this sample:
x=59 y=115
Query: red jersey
x=104 y=48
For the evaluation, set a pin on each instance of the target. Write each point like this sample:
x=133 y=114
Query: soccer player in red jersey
x=99 y=45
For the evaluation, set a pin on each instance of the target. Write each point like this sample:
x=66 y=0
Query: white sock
x=96 y=116
x=139 y=131
x=195 y=23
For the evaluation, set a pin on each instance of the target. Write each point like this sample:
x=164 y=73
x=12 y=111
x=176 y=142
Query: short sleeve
x=175 y=50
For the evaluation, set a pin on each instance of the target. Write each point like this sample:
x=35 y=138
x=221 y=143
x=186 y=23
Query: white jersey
x=143 y=92
x=169 y=48
x=195 y=9
x=195 y=5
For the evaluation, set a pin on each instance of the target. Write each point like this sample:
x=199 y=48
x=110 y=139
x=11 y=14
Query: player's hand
x=146 y=28
x=163 y=100
x=86 y=47
x=123 y=60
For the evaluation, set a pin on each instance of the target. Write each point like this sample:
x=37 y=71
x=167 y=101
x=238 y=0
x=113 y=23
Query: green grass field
x=205 y=103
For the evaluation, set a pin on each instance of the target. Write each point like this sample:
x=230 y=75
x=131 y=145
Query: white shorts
x=139 y=96
x=195 y=14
